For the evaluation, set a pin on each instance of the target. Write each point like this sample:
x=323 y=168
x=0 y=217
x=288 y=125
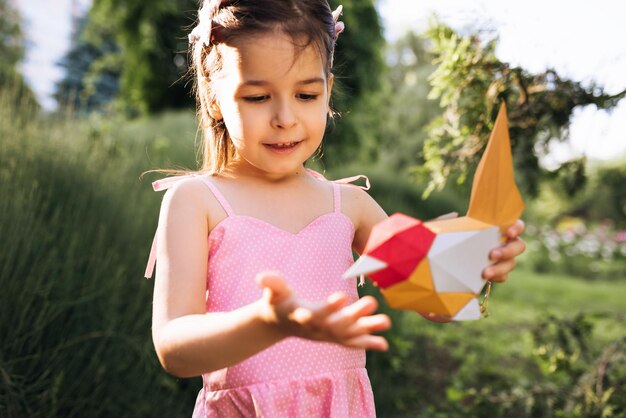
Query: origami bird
x=436 y=266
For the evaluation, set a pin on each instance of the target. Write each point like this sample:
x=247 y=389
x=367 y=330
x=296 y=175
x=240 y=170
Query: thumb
x=274 y=286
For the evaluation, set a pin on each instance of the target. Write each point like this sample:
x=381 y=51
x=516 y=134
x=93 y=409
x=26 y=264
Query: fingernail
x=302 y=314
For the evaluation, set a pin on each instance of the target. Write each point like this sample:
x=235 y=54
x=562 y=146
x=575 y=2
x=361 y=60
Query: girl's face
x=274 y=100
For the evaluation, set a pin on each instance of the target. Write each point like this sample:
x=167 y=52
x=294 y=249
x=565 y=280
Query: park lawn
x=519 y=305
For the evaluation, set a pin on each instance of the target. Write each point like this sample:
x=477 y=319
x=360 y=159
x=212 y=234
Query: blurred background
x=94 y=92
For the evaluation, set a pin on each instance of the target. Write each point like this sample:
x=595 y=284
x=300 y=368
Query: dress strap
x=218 y=195
x=337 y=197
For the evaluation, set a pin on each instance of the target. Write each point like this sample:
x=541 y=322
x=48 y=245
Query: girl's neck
x=238 y=169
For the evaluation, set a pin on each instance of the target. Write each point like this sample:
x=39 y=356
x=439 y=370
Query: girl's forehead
x=271 y=56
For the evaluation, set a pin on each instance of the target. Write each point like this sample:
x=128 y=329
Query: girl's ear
x=215 y=111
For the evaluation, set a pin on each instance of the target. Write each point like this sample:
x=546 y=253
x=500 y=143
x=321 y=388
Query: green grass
x=528 y=296
x=497 y=350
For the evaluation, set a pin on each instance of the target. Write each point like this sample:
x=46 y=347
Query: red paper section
x=402 y=242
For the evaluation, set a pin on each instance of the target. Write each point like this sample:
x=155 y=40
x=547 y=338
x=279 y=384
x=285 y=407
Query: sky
x=582 y=40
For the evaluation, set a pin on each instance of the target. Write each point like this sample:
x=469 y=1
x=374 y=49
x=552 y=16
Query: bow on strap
x=157 y=186
x=347 y=180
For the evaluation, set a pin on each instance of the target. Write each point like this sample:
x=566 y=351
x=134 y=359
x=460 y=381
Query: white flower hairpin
x=339 y=26
x=202 y=32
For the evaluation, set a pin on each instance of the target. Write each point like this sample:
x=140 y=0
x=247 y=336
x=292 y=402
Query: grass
x=499 y=350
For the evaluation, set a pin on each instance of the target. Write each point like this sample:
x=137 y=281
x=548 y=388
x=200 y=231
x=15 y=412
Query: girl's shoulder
x=191 y=196
x=363 y=210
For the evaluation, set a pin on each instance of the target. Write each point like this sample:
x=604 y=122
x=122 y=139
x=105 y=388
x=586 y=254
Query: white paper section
x=469 y=312
x=457 y=259
x=364 y=265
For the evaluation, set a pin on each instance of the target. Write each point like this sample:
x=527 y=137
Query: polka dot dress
x=295 y=377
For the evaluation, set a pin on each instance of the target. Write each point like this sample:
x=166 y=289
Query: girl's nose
x=284 y=115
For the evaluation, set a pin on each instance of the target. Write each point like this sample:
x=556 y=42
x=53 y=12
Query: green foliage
x=605 y=197
x=11 y=38
x=404 y=110
x=533 y=357
x=152 y=39
x=470 y=82
x=565 y=377
x=74 y=309
x=92 y=68
x=12 y=53
x=358 y=65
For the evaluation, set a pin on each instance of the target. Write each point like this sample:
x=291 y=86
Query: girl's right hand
x=334 y=320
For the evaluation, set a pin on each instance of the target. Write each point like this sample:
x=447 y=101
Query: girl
x=251 y=249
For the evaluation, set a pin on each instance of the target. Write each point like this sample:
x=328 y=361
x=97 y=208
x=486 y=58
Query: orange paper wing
x=495 y=197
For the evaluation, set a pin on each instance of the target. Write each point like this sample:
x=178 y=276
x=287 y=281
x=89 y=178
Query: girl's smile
x=283 y=147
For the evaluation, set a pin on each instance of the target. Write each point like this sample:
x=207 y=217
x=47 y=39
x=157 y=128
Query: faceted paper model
x=436 y=267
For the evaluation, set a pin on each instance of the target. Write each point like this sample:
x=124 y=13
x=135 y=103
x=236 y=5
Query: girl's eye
x=307 y=97
x=255 y=99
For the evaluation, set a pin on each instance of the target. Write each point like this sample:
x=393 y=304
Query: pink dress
x=295 y=377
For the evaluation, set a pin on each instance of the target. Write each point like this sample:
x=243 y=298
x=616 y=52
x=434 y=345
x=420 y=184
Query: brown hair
x=306 y=22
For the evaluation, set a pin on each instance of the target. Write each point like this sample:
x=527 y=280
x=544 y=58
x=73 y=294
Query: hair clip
x=339 y=26
x=202 y=32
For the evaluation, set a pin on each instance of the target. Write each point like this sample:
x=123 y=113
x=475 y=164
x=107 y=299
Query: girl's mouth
x=283 y=147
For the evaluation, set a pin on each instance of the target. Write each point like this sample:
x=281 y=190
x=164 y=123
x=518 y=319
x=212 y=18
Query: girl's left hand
x=504 y=256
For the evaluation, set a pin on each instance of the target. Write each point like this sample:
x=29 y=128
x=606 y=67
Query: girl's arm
x=189 y=341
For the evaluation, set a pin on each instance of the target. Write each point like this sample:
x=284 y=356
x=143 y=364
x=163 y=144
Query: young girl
x=251 y=249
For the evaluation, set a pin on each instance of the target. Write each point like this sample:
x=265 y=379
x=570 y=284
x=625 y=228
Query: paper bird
x=436 y=267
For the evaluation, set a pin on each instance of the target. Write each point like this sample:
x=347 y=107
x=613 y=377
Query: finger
x=301 y=315
x=368 y=325
x=334 y=302
x=368 y=342
x=516 y=229
x=510 y=250
x=274 y=285
x=499 y=271
x=349 y=314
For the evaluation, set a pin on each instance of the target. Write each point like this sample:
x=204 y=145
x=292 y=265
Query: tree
x=152 y=40
x=358 y=67
x=405 y=109
x=11 y=38
x=470 y=82
x=92 y=68
x=12 y=53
